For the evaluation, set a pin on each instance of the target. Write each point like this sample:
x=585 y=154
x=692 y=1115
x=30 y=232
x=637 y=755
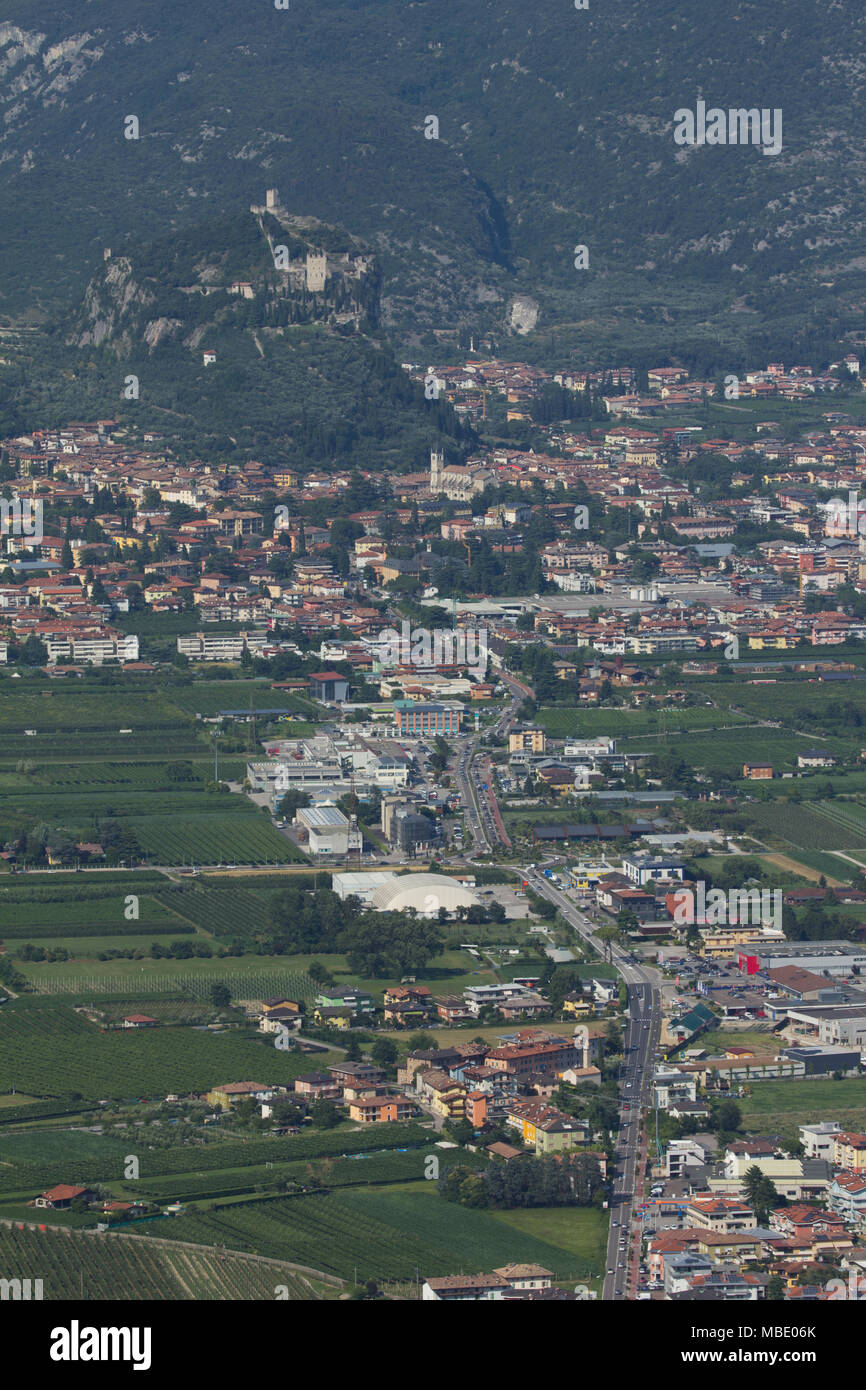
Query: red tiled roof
x=63 y=1193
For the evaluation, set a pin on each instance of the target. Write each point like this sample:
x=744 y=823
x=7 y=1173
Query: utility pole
x=216 y=773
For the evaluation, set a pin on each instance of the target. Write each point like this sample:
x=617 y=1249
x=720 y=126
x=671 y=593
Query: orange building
x=368 y=1110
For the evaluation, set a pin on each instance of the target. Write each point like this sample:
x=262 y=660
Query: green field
x=580 y=1231
x=74 y=754
x=94 y=914
x=87 y=912
x=210 y=697
x=857 y=854
x=236 y=833
x=356 y=1170
x=36 y=1034
x=725 y=751
x=765 y=1043
x=391 y=1233
x=795 y=700
x=820 y=825
x=832 y=867
x=251 y=977
x=561 y=722
x=783 y=1105
x=247 y=976
x=140 y=703
x=74 y=1266
x=190 y=1161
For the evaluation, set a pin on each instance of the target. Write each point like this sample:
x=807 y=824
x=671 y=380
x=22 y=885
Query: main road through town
x=482 y=814
x=640 y=1043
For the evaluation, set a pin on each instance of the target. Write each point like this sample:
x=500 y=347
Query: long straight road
x=482 y=816
x=640 y=1042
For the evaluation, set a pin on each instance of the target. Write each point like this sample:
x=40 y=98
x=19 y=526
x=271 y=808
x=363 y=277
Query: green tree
x=384 y=1053
x=325 y=1114
x=775 y=1288
x=728 y=1116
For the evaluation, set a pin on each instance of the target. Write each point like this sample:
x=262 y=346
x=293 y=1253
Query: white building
x=90 y=648
x=361 y=886
x=641 y=869
x=589 y=748
x=329 y=831
x=572 y=582
x=683 y=1154
x=817 y=1139
x=219 y=646
x=671 y=1086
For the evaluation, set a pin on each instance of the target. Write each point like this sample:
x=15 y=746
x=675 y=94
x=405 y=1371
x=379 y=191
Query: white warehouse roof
x=360 y=885
x=322 y=817
x=426 y=893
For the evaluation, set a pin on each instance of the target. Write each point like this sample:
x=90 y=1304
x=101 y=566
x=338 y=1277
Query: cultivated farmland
x=368 y=1230
x=818 y=825
x=73 y=1265
x=37 y=1034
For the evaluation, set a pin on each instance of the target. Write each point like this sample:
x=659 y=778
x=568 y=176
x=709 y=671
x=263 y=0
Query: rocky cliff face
x=113 y=305
x=226 y=275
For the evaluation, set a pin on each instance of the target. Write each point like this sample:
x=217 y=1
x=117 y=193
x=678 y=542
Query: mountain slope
x=555 y=129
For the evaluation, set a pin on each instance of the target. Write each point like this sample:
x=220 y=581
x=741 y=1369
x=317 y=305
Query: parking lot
x=516 y=908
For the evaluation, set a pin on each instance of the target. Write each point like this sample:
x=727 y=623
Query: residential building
x=642 y=869
x=544 y=1127
x=226 y=1096
x=367 y=1110
x=527 y=740
x=849 y=1152
x=818 y=1139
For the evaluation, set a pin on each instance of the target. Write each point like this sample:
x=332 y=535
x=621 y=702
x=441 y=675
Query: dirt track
x=781 y=861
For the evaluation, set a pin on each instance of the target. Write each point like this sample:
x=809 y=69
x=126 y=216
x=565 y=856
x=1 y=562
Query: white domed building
x=426 y=893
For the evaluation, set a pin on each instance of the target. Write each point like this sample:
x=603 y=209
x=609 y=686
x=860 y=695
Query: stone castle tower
x=317 y=271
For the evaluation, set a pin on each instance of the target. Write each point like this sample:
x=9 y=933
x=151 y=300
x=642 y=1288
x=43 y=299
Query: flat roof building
x=329 y=831
x=829 y=958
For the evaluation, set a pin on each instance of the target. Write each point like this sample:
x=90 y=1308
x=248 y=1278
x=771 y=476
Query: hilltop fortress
x=313 y=273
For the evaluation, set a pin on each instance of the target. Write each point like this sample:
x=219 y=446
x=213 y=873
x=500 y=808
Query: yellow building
x=332 y=1017
x=528 y=741
x=721 y=1246
x=578 y=1008
x=849 y=1151
x=719 y=943
x=449 y=1101
x=545 y=1128
x=224 y=1097
x=776 y=641
x=280 y=1002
